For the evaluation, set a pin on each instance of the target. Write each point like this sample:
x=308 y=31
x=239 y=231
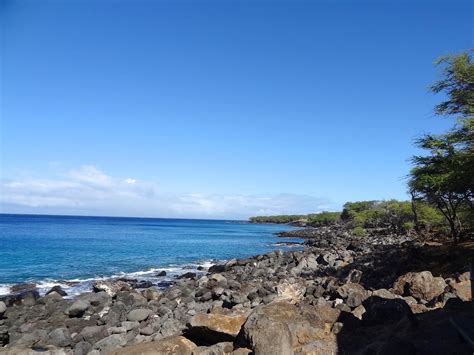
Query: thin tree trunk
x=450 y=216
x=415 y=213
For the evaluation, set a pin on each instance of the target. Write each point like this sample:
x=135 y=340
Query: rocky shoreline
x=377 y=294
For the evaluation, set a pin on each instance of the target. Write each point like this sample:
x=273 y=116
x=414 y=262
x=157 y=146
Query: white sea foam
x=74 y=287
x=5 y=289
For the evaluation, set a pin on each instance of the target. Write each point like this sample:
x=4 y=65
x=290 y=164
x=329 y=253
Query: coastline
x=333 y=291
x=76 y=251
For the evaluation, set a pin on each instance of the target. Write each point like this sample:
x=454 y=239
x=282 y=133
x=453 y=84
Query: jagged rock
x=466 y=276
x=358 y=312
x=111 y=287
x=353 y=293
x=58 y=290
x=292 y=292
x=462 y=290
x=281 y=327
x=421 y=285
x=214 y=328
x=306 y=263
x=176 y=345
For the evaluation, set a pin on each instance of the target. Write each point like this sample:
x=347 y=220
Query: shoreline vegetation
x=378 y=277
x=363 y=217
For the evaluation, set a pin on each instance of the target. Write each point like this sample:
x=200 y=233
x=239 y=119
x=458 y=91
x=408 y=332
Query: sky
x=216 y=109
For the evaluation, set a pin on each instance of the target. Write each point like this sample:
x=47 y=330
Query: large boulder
x=308 y=263
x=60 y=337
x=462 y=290
x=385 y=311
x=213 y=328
x=176 y=345
x=78 y=308
x=281 y=328
x=27 y=297
x=138 y=315
x=3 y=308
x=421 y=285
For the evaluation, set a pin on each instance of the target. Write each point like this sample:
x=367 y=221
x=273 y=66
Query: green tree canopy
x=444 y=176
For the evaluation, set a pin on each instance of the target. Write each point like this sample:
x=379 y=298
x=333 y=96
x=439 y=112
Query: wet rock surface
x=341 y=293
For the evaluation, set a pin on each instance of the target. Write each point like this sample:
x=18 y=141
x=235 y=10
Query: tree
x=439 y=179
x=445 y=176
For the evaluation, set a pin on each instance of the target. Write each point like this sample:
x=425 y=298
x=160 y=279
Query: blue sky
x=218 y=109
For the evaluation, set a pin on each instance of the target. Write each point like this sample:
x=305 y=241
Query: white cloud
x=88 y=190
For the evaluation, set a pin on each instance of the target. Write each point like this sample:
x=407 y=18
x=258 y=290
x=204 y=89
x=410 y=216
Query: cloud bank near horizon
x=90 y=191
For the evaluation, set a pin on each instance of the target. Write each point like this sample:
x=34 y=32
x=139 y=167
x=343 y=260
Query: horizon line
x=134 y=217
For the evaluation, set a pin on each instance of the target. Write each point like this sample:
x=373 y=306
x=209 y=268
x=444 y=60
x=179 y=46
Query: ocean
x=73 y=251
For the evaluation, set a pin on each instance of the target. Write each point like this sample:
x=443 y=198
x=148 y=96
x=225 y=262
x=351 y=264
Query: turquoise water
x=48 y=249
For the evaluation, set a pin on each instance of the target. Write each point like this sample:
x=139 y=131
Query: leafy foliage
x=359 y=231
x=391 y=214
x=444 y=177
x=397 y=216
x=324 y=218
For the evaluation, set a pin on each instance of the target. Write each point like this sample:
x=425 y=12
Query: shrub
x=408 y=225
x=359 y=232
x=324 y=218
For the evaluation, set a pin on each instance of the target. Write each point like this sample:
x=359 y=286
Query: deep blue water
x=44 y=249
